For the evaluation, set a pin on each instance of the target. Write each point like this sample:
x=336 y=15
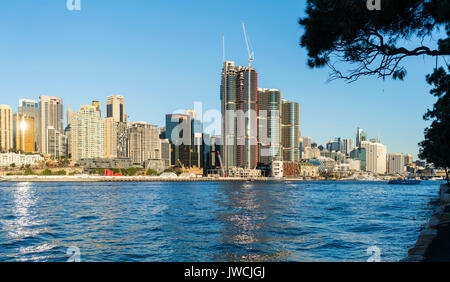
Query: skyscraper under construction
x=239 y=96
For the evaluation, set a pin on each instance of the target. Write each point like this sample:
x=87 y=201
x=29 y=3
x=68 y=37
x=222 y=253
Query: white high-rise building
x=375 y=157
x=87 y=133
x=396 y=163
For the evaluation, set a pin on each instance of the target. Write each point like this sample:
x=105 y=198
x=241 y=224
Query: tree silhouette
x=373 y=42
x=436 y=146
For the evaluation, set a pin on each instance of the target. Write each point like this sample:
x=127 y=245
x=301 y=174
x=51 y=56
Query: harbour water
x=212 y=221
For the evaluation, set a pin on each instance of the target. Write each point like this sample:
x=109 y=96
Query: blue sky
x=165 y=55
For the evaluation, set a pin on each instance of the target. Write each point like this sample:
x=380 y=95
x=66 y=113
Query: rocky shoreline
x=433 y=243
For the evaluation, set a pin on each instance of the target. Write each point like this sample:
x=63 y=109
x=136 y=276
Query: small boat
x=404 y=181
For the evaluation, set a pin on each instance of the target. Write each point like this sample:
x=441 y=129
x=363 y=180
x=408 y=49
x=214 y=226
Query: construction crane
x=182 y=166
x=221 y=165
x=120 y=170
x=251 y=57
x=147 y=168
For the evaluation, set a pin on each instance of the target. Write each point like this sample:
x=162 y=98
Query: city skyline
x=83 y=66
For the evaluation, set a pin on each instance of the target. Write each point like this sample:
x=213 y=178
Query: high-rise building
x=110 y=138
x=290 y=131
x=408 y=159
x=31 y=109
x=360 y=155
x=115 y=108
x=87 y=133
x=116 y=139
x=239 y=96
x=96 y=104
x=51 y=115
x=269 y=121
x=348 y=146
x=23 y=133
x=56 y=143
x=228 y=97
x=143 y=142
x=396 y=163
x=375 y=157
x=165 y=152
x=6 y=128
x=361 y=135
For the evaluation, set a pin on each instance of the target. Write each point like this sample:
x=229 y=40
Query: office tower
x=269 y=120
x=31 y=109
x=115 y=108
x=408 y=159
x=51 y=115
x=335 y=145
x=239 y=97
x=290 y=131
x=56 y=142
x=23 y=126
x=375 y=140
x=87 y=130
x=247 y=118
x=143 y=142
x=176 y=124
x=359 y=154
x=6 y=128
x=228 y=97
x=375 y=157
x=166 y=152
x=348 y=146
x=360 y=136
x=396 y=163
x=179 y=134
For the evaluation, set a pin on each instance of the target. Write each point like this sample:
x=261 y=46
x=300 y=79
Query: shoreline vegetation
x=99 y=178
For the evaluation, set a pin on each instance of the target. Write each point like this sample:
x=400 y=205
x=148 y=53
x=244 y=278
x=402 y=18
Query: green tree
x=47 y=172
x=342 y=32
x=435 y=148
x=28 y=171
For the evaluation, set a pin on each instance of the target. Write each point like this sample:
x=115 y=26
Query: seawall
x=433 y=243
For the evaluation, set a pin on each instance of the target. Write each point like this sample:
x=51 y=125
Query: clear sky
x=165 y=55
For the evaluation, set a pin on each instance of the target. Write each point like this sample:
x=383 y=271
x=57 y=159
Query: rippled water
x=212 y=221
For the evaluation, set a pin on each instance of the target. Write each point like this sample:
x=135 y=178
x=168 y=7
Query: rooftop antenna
x=251 y=57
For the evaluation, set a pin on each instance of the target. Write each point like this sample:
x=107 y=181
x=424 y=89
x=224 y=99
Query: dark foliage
x=374 y=42
x=436 y=146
